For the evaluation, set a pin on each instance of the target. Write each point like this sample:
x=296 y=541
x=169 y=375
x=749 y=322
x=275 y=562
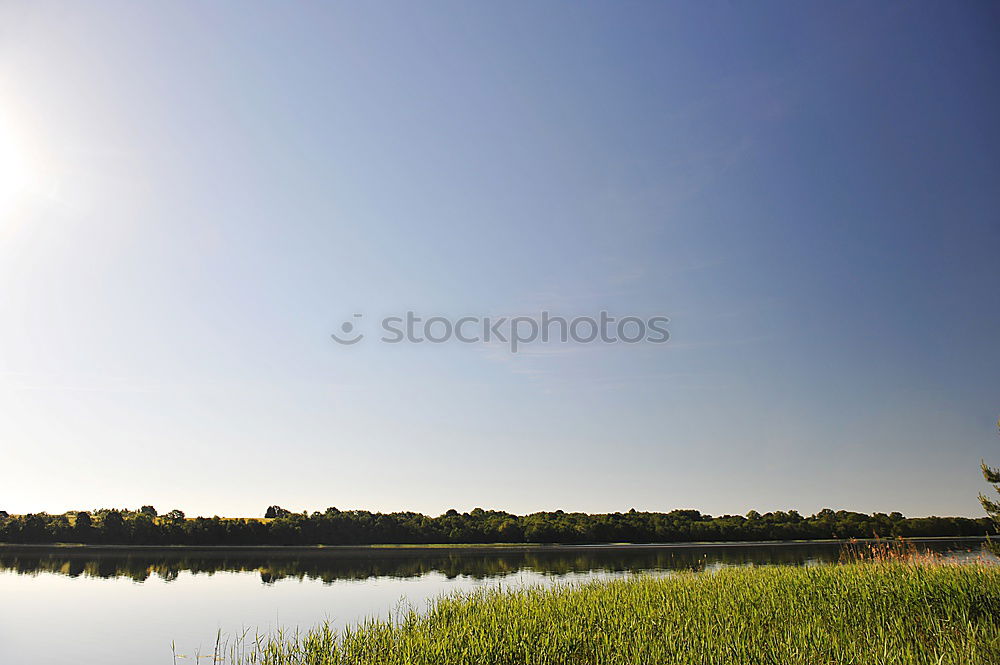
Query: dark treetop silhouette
x=360 y=527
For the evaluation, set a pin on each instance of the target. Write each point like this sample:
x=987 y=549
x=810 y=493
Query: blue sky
x=194 y=196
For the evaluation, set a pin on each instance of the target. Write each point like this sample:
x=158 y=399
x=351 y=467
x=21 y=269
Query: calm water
x=125 y=607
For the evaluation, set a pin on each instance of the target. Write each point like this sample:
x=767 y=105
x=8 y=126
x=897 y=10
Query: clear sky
x=194 y=196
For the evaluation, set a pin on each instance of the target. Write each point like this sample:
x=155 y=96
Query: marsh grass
x=881 y=606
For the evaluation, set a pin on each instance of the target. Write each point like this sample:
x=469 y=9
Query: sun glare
x=21 y=173
x=13 y=163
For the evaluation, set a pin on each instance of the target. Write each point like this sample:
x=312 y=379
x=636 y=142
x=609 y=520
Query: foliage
x=360 y=527
x=991 y=507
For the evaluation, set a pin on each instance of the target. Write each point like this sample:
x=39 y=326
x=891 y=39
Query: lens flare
x=23 y=176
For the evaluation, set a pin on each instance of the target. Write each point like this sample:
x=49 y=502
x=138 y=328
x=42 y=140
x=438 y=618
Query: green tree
x=83 y=523
x=991 y=507
x=113 y=525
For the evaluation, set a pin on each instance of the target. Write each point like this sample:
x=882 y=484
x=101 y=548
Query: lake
x=127 y=606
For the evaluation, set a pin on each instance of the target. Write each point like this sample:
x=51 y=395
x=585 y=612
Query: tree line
x=361 y=527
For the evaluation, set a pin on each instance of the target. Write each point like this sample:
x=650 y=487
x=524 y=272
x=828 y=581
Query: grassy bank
x=875 y=612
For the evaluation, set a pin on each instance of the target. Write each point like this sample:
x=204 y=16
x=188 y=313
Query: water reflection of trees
x=330 y=566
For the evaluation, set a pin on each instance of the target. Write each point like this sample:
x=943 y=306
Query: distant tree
x=83 y=526
x=175 y=515
x=4 y=514
x=510 y=531
x=148 y=510
x=113 y=523
x=276 y=511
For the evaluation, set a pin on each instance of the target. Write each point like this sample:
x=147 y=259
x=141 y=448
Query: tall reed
x=884 y=609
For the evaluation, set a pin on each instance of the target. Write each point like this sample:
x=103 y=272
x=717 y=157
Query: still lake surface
x=126 y=606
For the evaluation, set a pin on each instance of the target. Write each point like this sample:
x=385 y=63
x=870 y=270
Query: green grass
x=877 y=612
